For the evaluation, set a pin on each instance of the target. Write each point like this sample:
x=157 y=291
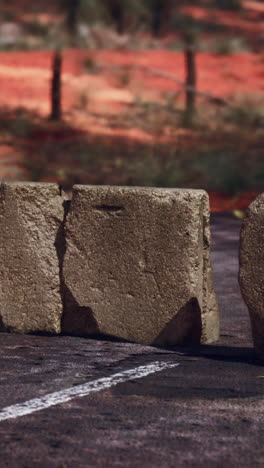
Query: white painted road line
x=57 y=398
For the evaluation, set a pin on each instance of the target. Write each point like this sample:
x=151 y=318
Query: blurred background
x=134 y=92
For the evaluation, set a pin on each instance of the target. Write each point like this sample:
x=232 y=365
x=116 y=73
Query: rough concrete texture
x=31 y=216
x=251 y=273
x=137 y=265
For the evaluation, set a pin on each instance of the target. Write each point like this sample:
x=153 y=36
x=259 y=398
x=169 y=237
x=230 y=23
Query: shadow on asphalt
x=222 y=353
x=216 y=352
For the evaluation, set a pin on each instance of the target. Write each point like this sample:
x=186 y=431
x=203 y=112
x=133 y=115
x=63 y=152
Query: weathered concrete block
x=251 y=271
x=31 y=216
x=137 y=265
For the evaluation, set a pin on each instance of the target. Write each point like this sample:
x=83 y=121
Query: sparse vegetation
x=229 y=45
x=215 y=144
x=18 y=123
x=199 y=160
x=36 y=28
x=247 y=113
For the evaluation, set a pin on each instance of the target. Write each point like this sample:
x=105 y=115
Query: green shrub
x=35 y=28
x=21 y=127
x=247 y=113
x=229 y=45
x=186 y=25
x=169 y=174
x=17 y=123
x=220 y=171
x=175 y=45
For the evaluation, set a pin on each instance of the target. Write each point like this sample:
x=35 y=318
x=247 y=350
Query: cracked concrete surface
x=138 y=258
x=30 y=217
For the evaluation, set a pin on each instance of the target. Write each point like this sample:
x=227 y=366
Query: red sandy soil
x=25 y=77
x=25 y=82
x=220 y=202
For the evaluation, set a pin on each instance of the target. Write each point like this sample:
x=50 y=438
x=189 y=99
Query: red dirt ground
x=220 y=202
x=25 y=82
x=25 y=79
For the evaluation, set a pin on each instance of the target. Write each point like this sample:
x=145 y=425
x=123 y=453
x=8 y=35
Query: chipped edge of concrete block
x=210 y=310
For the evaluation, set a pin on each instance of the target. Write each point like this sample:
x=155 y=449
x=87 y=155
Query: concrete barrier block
x=31 y=216
x=137 y=265
x=251 y=271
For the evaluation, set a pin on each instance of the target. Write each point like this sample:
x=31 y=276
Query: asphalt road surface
x=74 y=402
